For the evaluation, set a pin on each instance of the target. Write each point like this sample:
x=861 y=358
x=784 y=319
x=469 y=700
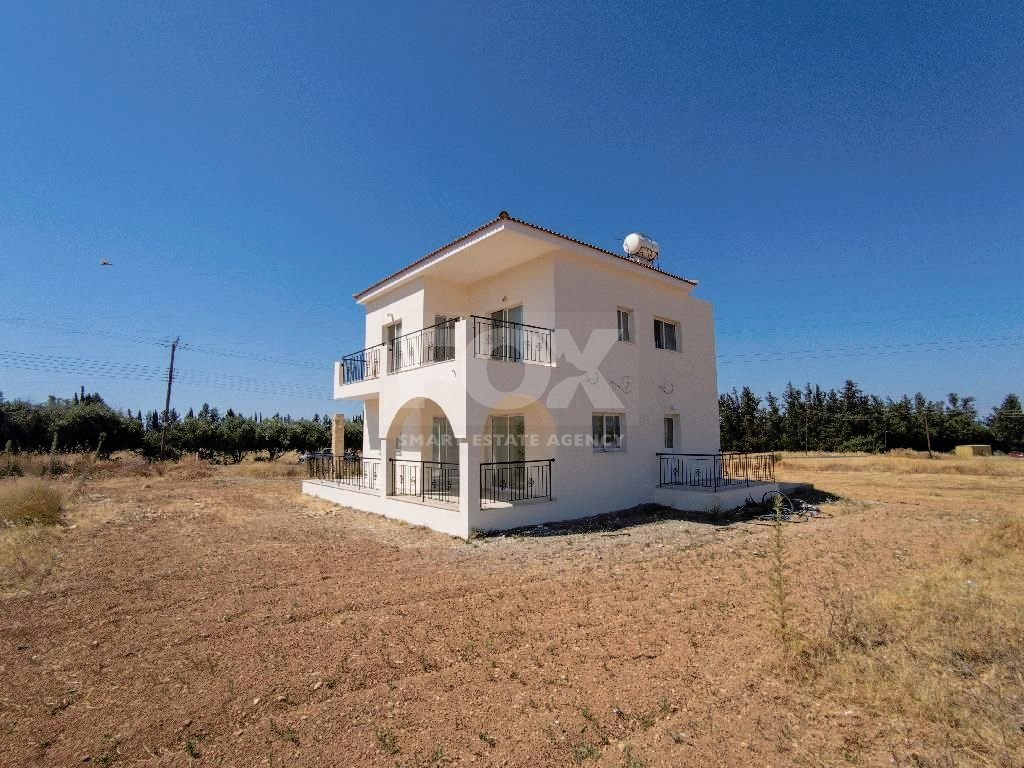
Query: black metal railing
x=715 y=470
x=356 y=473
x=511 y=481
x=434 y=344
x=361 y=365
x=502 y=340
x=427 y=480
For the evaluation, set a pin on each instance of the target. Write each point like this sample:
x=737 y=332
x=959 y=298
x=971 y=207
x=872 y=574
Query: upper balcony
x=358 y=374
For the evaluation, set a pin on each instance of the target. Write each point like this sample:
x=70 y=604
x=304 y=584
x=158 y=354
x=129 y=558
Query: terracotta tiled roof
x=504 y=216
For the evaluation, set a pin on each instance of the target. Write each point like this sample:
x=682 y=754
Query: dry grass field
x=193 y=615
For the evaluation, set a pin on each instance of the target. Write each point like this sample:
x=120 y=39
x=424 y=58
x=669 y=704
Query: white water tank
x=640 y=246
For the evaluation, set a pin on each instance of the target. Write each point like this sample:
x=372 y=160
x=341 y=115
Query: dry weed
x=906 y=462
x=265 y=469
x=187 y=469
x=29 y=500
x=942 y=656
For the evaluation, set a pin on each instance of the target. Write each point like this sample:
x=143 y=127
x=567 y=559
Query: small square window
x=625 y=320
x=607 y=429
x=665 y=335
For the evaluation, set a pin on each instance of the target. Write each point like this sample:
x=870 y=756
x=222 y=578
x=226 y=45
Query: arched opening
x=423 y=452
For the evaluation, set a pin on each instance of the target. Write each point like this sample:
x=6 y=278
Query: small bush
x=29 y=500
x=862 y=444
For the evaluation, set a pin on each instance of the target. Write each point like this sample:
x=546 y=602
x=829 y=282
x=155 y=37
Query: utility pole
x=167 y=402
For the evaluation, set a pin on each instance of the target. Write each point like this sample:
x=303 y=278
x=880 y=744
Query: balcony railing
x=427 y=480
x=361 y=365
x=715 y=470
x=502 y=340
x=355 y=473
x=434 y=344
x=511 y=481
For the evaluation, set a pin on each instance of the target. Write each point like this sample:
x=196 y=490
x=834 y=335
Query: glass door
x=394 y=351
x=508 y=438
x=443 y=343
x=508 y=446
x=442 y=442
x=507 y=340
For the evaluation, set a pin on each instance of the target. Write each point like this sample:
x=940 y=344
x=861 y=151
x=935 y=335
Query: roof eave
x=363 y=296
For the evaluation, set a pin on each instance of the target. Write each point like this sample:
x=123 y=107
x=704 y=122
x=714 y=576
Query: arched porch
x=421 y=455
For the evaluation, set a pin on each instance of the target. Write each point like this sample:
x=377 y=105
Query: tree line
x=848 y=419
x=809 y=419
x=86 y=423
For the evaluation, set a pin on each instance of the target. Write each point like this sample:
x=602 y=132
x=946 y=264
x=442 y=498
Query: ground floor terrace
x=442 y=488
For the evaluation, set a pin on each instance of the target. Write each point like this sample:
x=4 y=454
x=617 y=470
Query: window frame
x=669 y=432
x=630 y=324
x=659 y=340
x=600 y=445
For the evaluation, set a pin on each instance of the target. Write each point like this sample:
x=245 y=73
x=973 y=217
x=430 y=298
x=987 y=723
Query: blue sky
x=846 y=182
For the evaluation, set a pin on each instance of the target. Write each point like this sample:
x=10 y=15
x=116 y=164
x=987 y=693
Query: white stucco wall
x=563 y=287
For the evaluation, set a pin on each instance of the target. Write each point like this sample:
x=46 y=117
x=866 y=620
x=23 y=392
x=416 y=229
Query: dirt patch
x=220 y=617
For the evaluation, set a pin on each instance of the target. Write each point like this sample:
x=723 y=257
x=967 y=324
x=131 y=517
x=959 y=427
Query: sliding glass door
x=443 y=447
x=508 y=438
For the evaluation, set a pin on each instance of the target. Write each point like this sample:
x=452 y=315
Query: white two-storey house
x=516 y=376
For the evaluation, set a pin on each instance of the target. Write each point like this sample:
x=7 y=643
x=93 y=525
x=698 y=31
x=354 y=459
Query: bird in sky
x=105 y=263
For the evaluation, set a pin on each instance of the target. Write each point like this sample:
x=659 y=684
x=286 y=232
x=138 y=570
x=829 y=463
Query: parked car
x=1016 y=454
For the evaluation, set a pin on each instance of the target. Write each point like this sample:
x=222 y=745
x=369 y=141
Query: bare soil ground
x=218 y=617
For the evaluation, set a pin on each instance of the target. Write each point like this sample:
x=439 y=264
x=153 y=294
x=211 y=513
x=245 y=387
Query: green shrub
x=862 y=444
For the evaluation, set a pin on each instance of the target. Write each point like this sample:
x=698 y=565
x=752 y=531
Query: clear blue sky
x=841 y=180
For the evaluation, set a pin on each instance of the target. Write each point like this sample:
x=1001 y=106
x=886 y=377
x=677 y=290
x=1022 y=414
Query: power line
x=206 y=349
x=861 y=309
x=138 y=372
x=150 y=371
x=876 y=349
x=763 y=330
x=913 y=271
x=807 y=354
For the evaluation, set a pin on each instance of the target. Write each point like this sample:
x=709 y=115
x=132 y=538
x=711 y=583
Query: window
x=670 y=433
x=625 y=324
x=665 y=334
x=607 y=432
